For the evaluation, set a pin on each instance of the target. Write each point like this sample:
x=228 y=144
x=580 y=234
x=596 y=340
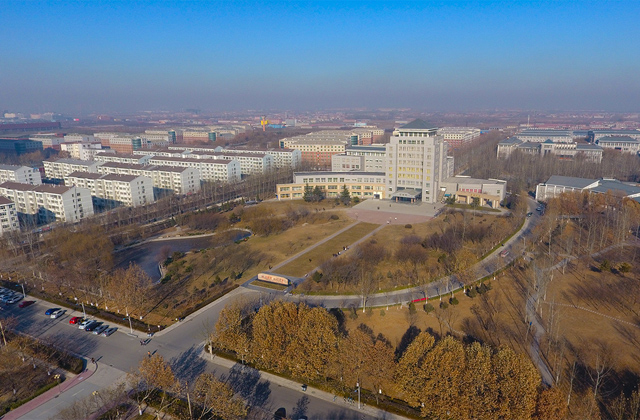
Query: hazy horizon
x=433 y=56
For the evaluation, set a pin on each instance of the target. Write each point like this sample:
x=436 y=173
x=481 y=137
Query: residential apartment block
x=180 y=180
x=111 y=190
x=82 y=150
x=209 y=169
x=288 y=158
x=8 y=216
x=360 y=184
x=458 y=136
x=416 y=163
x=59 y=168
x=49 y=203
x=22 y=174
x=122 y=158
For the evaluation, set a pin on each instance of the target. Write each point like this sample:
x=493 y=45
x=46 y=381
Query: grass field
x=312 y=259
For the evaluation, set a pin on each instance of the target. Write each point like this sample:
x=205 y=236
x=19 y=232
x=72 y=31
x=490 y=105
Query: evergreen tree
x=345 y=196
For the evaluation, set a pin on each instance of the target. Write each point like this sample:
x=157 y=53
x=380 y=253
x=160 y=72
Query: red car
x=75 y=320
x=26 y=303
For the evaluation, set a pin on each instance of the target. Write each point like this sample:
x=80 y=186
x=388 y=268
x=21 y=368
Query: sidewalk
x=316 y=393
x=54 y=392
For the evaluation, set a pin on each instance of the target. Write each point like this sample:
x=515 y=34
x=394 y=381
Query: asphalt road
x=182 y=343
x=182 y=347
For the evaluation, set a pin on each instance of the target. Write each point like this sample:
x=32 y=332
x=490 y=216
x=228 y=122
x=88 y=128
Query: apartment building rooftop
x=43 y=188
x=4 y=200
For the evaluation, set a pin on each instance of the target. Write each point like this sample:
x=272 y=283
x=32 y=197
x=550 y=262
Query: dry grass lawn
x=312 y=259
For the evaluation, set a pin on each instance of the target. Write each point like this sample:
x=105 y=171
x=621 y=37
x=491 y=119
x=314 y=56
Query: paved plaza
x=389 y=212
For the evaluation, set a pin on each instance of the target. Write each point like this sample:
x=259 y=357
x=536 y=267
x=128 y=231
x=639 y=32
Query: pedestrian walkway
x=316 y=393
x=55 y=392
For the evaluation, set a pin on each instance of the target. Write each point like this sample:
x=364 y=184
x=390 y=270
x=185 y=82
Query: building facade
x=359 y=184
x=360 y=158
x=459 y=136
x=22 y=174
x=8 y=216
x=111 y=190
x=49 y=203
x=416 y=163
x=59 y=168
x=177 y=179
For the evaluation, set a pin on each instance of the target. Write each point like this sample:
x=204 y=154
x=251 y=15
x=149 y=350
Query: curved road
x=182 y=345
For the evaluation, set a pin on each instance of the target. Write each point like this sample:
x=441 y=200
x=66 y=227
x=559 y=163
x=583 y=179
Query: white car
x=84 y=323
x=58 y=313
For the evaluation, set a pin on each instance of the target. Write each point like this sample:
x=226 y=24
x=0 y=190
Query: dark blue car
x=50 y=311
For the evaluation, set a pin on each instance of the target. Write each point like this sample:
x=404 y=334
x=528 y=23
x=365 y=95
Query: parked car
x=6 y=298
x=58 y=313
x=504 y=253
x=26 y=303
x=49 y=311
x=99 y=330
x=85 y=323
x=75 y=320
x=539 y=208
x=92 y=326
x=16 y=298
x=109 y=331
x=304 y=387
x=529 y=214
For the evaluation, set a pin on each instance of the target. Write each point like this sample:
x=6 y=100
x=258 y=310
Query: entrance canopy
x=407 y=194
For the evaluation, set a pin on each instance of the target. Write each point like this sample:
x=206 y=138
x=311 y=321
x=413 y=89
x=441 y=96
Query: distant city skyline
x=84 y=57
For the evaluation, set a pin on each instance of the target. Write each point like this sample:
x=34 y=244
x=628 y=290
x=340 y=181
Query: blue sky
x=434 y=55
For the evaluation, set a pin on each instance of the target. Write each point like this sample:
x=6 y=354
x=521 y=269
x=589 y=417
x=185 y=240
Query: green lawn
x=310 y=260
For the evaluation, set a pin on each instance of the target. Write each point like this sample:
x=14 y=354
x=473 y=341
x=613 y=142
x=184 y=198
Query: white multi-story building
x=22 y=174
x=542 y=135
x=598 y=134
x=622 y=143
x=180 y=180
x=360 y=158
x=459 y=136
x=110 y=190
x=416 y=163
x=49 y=203
x=82 y=150
x=51 y=141
x=8 y=216
x=556 y=185
x=209 y=169
x=287 y=158
x=59 y=168
x=591 y=152
x=250 y=163
x=138 y=159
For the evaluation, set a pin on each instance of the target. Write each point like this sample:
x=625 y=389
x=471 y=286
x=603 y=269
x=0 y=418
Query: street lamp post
x=24 y=295
x=358 y=385
x=130 y=326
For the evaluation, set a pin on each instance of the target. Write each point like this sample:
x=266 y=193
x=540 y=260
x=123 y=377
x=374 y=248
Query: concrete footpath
x=317 y=393
x=76 y=387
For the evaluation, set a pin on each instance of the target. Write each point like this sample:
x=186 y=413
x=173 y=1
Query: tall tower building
x=416 y=163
